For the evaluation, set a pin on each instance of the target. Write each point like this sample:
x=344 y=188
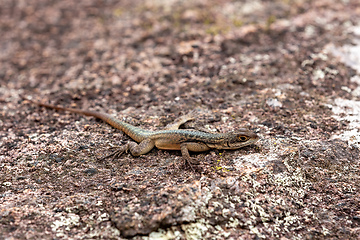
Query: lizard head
x=238 y=139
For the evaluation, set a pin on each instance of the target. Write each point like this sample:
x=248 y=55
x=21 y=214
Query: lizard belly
x=166 y=144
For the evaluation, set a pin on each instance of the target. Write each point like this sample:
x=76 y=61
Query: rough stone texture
x=256 y=64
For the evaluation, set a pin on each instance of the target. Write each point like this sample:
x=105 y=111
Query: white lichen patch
x=344 y=109
x=66 y=220
x=254 y=162
x=349 y=54
x=196 y=230
x=356 y=91
x=348 y=111
x=162 y=234
x=273 y=102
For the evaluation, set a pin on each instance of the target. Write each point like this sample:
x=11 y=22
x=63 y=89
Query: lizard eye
x=243 y=138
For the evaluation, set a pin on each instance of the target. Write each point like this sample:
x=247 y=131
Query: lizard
x=171 y=138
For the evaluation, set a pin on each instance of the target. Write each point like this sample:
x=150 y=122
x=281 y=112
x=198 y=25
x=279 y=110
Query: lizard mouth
x=237 y=145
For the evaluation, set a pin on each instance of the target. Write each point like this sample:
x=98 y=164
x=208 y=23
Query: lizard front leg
x=194 y=147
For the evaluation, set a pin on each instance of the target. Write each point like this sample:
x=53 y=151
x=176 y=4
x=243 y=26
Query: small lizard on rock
x=172 y=138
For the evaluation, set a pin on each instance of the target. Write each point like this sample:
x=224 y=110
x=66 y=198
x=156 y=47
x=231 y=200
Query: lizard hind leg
x=135 y=149
x=142 y=148
x=181 y=120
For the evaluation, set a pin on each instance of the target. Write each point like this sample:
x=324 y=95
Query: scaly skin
x=171 y=138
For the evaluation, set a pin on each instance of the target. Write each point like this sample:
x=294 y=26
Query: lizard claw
x=193 y=161
x=117 y=153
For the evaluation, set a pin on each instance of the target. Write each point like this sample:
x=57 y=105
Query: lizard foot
x=119 y=150
x=192 y=162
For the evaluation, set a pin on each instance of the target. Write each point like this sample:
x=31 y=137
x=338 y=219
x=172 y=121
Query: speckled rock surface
x=279 y=68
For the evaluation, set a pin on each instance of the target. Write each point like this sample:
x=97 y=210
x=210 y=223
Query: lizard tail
x=135 y=133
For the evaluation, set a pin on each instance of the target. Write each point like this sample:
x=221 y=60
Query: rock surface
x=276 y=67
